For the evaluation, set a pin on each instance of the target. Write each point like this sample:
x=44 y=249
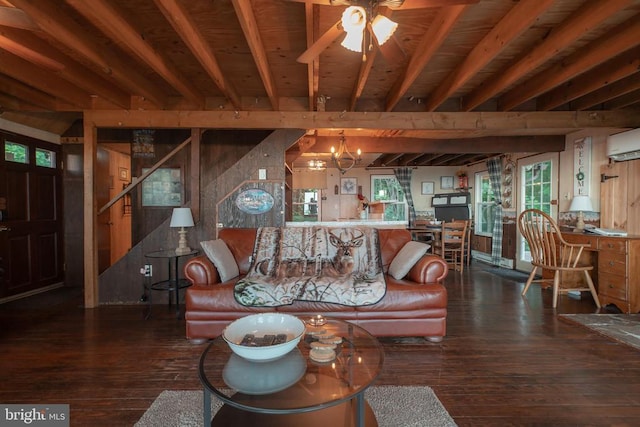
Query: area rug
x=394 y=407
x=624 y=328
x=507 y=273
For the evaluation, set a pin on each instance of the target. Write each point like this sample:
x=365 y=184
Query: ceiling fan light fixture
x=354 y=21
x=383 y=28
x=316 y=165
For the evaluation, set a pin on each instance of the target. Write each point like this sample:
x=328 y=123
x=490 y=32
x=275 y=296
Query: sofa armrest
x=429 y=269
x=201 y=271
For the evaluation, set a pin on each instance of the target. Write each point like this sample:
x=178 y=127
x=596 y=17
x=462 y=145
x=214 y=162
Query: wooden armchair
x=550 y=251
x=451 y=245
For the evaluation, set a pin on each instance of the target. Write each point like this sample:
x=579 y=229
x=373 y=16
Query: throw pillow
x=220 y=255
x=410 y=253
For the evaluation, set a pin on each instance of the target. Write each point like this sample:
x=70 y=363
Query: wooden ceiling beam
x=19 y=90
x=43 y=80
x=185 y=26
x=494 y=122
x=608 y=93
x=397 y=146
x=519 y=18
x=387 y=159
x=11 y=103
x=313 y=67
x=366 y=66
x=620 y=39
x=587 y=17
x=604 y=74
x=16 y=18
x=406 y=5
x=104 y=15
x=438 y=31
x=247 y=19
x=55 y=22
x=67 y=68
x=626 y=100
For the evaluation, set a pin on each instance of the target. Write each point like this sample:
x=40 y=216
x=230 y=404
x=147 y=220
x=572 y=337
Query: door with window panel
x=538 y=189
x=31 y=215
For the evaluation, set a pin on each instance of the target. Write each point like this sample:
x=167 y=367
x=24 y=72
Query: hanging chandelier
x=316 y=165
x=342 y=157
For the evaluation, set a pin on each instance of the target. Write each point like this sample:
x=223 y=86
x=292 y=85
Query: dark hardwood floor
x=506 y=360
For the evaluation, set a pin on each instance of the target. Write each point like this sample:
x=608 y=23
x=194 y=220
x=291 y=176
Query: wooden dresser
x=616 y=263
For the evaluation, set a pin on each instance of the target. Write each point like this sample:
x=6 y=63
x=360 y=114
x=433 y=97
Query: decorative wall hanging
x=581 y=166
x=254 y=201
x=162 y=188
x=348 y=185
x=142 y=146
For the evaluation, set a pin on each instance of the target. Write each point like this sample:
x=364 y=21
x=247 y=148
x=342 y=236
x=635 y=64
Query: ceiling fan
x=362 y=14
x=364 y=27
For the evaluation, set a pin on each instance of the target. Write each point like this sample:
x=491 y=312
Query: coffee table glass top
x=294 y=383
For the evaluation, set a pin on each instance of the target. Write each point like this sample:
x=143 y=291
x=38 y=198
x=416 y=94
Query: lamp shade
x=581 y=204
x=181 y=217
x=383 y=28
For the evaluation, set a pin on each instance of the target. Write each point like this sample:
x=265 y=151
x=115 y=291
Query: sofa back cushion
x=242 y=240
x=392 y=240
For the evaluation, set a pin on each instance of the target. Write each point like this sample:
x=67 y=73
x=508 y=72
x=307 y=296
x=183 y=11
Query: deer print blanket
x=333 y=265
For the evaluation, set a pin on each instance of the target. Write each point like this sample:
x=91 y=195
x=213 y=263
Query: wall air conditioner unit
x=624 y=146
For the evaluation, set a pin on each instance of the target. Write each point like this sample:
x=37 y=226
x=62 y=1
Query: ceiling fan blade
x=321 y=44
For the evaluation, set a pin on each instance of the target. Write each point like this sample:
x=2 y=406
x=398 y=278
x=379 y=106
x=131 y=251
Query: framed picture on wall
x=428 y=187
x=162 y=188
x=446 y=182
x=348 y=185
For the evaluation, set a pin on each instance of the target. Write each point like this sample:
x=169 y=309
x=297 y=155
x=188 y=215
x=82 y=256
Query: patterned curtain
x=403 y=175
x=495 y=176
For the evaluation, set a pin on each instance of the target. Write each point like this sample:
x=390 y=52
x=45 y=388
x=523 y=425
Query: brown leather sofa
x=413 y=306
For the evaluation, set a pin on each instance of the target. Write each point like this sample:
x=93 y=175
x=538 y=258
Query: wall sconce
x=181 y=217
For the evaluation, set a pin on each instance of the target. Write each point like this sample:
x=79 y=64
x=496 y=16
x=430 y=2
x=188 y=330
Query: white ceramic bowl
x=264 y=378
x=260 y=325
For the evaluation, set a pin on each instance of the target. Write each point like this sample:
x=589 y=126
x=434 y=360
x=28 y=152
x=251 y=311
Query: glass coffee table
x=294 y=390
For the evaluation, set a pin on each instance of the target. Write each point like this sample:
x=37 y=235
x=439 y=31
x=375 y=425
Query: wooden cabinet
x=509 y=241
x=481 y=243
x=616 y=262
x=618 y=271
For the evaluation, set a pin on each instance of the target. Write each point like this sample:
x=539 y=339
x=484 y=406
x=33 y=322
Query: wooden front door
x=31 y=234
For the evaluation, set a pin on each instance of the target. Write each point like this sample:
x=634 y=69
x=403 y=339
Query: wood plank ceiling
x=59 y=58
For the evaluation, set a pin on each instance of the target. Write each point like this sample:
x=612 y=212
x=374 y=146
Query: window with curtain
x=386 y=188
x=485 y=206
x=305 y=205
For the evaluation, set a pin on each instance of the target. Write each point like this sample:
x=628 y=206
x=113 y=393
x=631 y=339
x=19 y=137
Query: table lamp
x=580 y=204
x=181 y=217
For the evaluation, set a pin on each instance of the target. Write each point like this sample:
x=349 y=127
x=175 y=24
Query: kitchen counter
x=350 y=222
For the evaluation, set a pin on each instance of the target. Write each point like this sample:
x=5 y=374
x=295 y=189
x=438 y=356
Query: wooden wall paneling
x=73 y=213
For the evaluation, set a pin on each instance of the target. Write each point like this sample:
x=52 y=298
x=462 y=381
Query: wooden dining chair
x=550 y=251
x=419 y=231
x=451 y=245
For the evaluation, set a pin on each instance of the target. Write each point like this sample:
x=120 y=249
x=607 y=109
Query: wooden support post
x=91 y=296
x=196 y=135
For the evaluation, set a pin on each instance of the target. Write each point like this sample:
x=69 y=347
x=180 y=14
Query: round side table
x=173 y=283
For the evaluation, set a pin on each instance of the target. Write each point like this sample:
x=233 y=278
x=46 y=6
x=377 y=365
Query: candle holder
x=317 y=320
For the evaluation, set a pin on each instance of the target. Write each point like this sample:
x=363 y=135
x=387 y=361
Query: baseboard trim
x=31 y=293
